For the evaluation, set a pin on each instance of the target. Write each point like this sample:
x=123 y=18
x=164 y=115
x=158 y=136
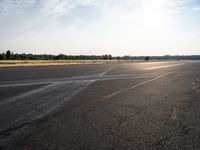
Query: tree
x=8 y=55
x=118 y=58
x=2 y=57
x=146 y=58
x=16 y=57
x=110 y=57
x=107 y=57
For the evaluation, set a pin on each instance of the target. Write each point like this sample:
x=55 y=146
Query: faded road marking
x=106 y=71
x=137 y=85
x=123 y=90
x=24 y=84
x=78 y=79
x=165 y=66
x=36 y=104
x=9 y=100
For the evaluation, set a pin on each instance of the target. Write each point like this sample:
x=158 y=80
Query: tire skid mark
x=124 y=90
x=79 y=79
x=38 y=104
x=9 y=100
x=49 y=81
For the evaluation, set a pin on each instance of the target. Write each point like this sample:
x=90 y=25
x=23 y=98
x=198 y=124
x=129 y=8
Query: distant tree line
x=8 y=55
x=165 y=57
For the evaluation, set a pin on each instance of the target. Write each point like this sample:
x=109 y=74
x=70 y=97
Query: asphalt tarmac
x=152 y=105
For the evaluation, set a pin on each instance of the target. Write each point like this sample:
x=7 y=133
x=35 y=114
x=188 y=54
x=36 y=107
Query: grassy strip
x=30 y=63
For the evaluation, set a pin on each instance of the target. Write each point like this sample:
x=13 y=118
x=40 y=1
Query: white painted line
x=137 y=85
x=100 y=75
x=165 y=66
x=26 y=94
x=50 y=106
x=125 y=78
x=130 y=88
x=25 y=84
x=68 y=80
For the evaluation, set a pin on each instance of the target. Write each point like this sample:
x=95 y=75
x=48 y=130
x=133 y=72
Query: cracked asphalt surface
x=153 y=105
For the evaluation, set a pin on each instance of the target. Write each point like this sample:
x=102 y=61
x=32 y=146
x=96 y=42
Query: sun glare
x=155 y=17
x=155 y=20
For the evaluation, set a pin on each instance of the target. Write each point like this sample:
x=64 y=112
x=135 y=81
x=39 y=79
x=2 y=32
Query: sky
x=95 y=27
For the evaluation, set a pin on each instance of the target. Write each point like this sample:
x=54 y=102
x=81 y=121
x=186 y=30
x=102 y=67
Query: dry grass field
x=29 y=63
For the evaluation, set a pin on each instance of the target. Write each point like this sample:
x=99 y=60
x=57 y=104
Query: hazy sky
x=117 y=27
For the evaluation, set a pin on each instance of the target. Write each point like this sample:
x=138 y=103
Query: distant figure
x=146 y=58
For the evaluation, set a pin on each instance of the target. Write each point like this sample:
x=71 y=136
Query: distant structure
x=146 y=58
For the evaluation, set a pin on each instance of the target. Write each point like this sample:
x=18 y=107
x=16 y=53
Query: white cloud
x=7 y=6
x=97 y=24
x=55 y=8
x=197 y=8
